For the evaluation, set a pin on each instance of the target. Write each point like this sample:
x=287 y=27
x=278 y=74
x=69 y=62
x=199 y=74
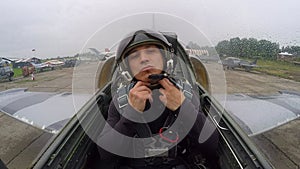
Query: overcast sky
x=63 y=27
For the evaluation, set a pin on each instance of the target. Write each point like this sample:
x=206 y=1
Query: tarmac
x=19 y=142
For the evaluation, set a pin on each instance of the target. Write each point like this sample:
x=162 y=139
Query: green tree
x=223 y=48
x=253 y=47
x=192 y=45
x=295 y=50
x=249 y=48
x=235 y=47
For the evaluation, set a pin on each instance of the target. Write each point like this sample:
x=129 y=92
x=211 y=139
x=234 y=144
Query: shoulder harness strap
x=122 y=98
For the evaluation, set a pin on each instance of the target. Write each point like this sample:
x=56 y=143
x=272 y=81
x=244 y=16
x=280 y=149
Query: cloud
x=60 y=28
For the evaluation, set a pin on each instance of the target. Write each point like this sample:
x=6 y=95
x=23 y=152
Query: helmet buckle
x=126 y=75
x=170 y=64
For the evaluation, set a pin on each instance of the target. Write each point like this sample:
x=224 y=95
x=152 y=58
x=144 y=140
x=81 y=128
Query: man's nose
x=144 y=57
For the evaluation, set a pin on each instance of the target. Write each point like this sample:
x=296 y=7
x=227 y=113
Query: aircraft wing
x=248 y=65
x=48 y=111
x=258 y=114
x=51 y=111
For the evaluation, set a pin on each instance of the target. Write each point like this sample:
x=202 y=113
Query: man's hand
x=138 y=96
x=171 y=97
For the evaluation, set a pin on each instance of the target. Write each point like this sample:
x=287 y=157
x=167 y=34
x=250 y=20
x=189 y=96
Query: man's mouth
x=147 y=68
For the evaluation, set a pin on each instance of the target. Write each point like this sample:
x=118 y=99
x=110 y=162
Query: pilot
x=155 y=105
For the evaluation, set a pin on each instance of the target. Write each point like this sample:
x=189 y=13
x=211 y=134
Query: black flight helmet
x=142 y=37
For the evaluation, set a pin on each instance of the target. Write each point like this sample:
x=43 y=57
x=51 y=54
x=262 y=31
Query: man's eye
x=151 y=50
x=133 y=55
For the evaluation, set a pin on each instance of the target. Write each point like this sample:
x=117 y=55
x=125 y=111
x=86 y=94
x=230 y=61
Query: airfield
x=20 y=142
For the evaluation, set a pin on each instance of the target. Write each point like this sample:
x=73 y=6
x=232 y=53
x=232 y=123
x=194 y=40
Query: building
x=197 y=52
x=25 y=62
x=285 y=56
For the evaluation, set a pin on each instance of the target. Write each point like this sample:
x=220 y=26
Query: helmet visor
x=153 y=37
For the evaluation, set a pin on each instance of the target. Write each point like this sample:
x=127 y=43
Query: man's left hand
x=171 y=96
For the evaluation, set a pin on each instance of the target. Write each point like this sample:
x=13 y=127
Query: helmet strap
x=170 y=65
x=126 y=75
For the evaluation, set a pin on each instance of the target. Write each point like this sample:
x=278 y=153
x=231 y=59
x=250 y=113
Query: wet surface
x=20 y=143
x=281 y=145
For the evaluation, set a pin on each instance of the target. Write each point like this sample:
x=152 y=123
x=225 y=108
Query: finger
x=143 y=94
x=163 y=99
x=147 y=96
x=142 y=88
x=140 y=83
x=139 y=94
x=162 y=91
x=164 y=83
x=163 y=96
x=151 y=99
x=169 y=82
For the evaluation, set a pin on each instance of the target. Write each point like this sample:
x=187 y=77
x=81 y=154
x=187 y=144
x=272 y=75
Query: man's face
x=144 y=61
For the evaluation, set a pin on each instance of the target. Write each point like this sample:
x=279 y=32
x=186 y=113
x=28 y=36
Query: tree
x=295 y=50
x=248 y=48
x=223 y=48
x=192 y=45
x=236 y=47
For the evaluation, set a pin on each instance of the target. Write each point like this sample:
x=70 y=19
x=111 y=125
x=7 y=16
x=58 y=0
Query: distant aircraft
x=6 y=72
x=233 y=62
x=101 y=55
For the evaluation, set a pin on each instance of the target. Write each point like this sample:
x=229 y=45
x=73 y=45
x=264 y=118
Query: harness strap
x=166 y=139
x=122 y=97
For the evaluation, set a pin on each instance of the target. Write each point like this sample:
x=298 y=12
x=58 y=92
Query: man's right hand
x=138 y=96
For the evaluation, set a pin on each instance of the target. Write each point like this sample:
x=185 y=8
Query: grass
x=18 y=72
x=279 y=68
